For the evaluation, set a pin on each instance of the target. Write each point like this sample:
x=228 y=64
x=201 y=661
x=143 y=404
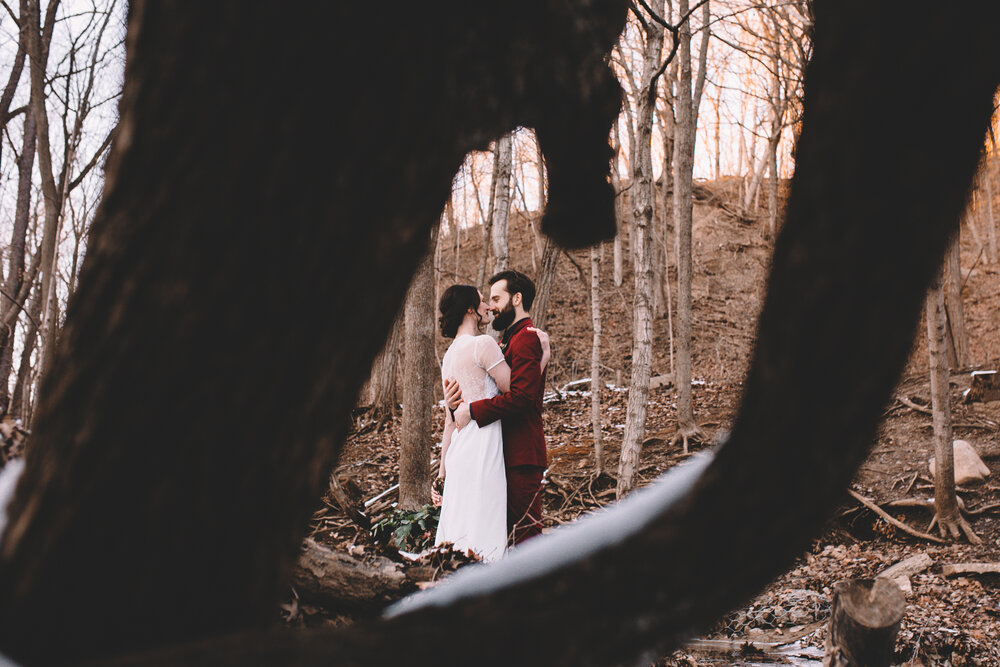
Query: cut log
x=901 y=572
x=953 y=569
x=907 y=568
x=332 y=578
x=863 y=623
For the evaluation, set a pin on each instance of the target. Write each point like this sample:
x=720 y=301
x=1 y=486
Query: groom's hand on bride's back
x=452 y=393
x=462 y=415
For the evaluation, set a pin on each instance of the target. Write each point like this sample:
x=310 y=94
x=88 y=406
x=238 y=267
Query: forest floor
x=948 y=620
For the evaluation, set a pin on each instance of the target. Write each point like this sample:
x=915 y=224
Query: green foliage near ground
x=408 y=530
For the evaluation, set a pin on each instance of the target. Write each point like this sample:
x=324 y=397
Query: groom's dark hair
x=517 y=282
x=454 y=304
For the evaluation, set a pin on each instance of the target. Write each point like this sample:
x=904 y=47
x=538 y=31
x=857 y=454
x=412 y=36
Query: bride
x=474 y=501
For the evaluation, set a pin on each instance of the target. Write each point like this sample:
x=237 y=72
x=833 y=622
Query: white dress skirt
x=474 y=503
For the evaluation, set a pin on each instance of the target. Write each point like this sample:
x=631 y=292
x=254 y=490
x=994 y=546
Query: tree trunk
x=39 y=37
x=991 y=224
x=595 y=359
x=20 y=400
x=683 y=212
x=864 y=622
x=958 y=333
x=642 y=216
x=669 y=134
x=947 y=514
x=15 y=274
x=420 y=377
x=544 y=284
x=699 y=83
x=501 y=211
x=384 y=382
x=617 y=260
x=488 y=220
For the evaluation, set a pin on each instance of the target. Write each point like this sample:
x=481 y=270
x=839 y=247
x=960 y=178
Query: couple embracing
x=493 y=449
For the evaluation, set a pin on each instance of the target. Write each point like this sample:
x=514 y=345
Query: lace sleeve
x=487 y=353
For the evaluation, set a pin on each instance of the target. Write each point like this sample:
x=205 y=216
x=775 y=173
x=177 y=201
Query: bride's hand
x=435 y=494
x=452 y=393
x=543 y=339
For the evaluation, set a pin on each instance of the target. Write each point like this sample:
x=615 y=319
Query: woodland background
x=650 y=332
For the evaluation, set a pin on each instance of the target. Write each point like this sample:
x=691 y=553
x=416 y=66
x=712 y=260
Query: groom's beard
x=504 y=318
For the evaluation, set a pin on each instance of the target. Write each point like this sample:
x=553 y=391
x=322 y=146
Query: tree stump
x=863 y=623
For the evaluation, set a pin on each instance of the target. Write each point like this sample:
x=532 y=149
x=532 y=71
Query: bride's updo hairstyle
x=454 y=304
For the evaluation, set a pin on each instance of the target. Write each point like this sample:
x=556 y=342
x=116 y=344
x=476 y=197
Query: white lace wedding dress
x=474 y=505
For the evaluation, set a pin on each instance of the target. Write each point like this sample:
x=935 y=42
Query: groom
x=520 y=409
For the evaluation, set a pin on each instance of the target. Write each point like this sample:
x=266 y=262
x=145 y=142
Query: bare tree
x=544 y=283
x=420 y=378
x=66 y=87
x=487 y=217
x=687 y=428
x=958 y=332
x=595 y=358
x=616 y=147
x=383 y=382
x=948 y=516
x=39 y=39
x=501 y=210
x=642 y=215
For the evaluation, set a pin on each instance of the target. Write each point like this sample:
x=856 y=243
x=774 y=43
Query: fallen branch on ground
x=885 y=516
x=953 y=569
x=913 y=406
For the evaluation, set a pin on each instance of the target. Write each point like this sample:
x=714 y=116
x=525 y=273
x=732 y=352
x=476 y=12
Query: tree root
x=955 y=528
x=885 y=516
x=688 y=434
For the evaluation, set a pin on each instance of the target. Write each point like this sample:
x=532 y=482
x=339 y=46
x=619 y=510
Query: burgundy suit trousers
x=524 y=502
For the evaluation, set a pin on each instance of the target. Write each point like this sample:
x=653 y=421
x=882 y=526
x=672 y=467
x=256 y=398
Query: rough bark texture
x=489 y=215
x=196 y=212
x=642 y=304
x=683 y=217
x=947 y=513
x=991 y=223
x=501 y=212
x=595 y=359
x=864 y=622
x=421 y=376
x=185 y=305
x=338 y=580
x=384 y=383
x=543 y=284
x=958 y=332
x=617 y=267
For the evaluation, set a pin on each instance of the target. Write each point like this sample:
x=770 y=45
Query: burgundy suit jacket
x=520 y=409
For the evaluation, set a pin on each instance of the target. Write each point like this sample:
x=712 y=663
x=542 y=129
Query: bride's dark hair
x=455 y=302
